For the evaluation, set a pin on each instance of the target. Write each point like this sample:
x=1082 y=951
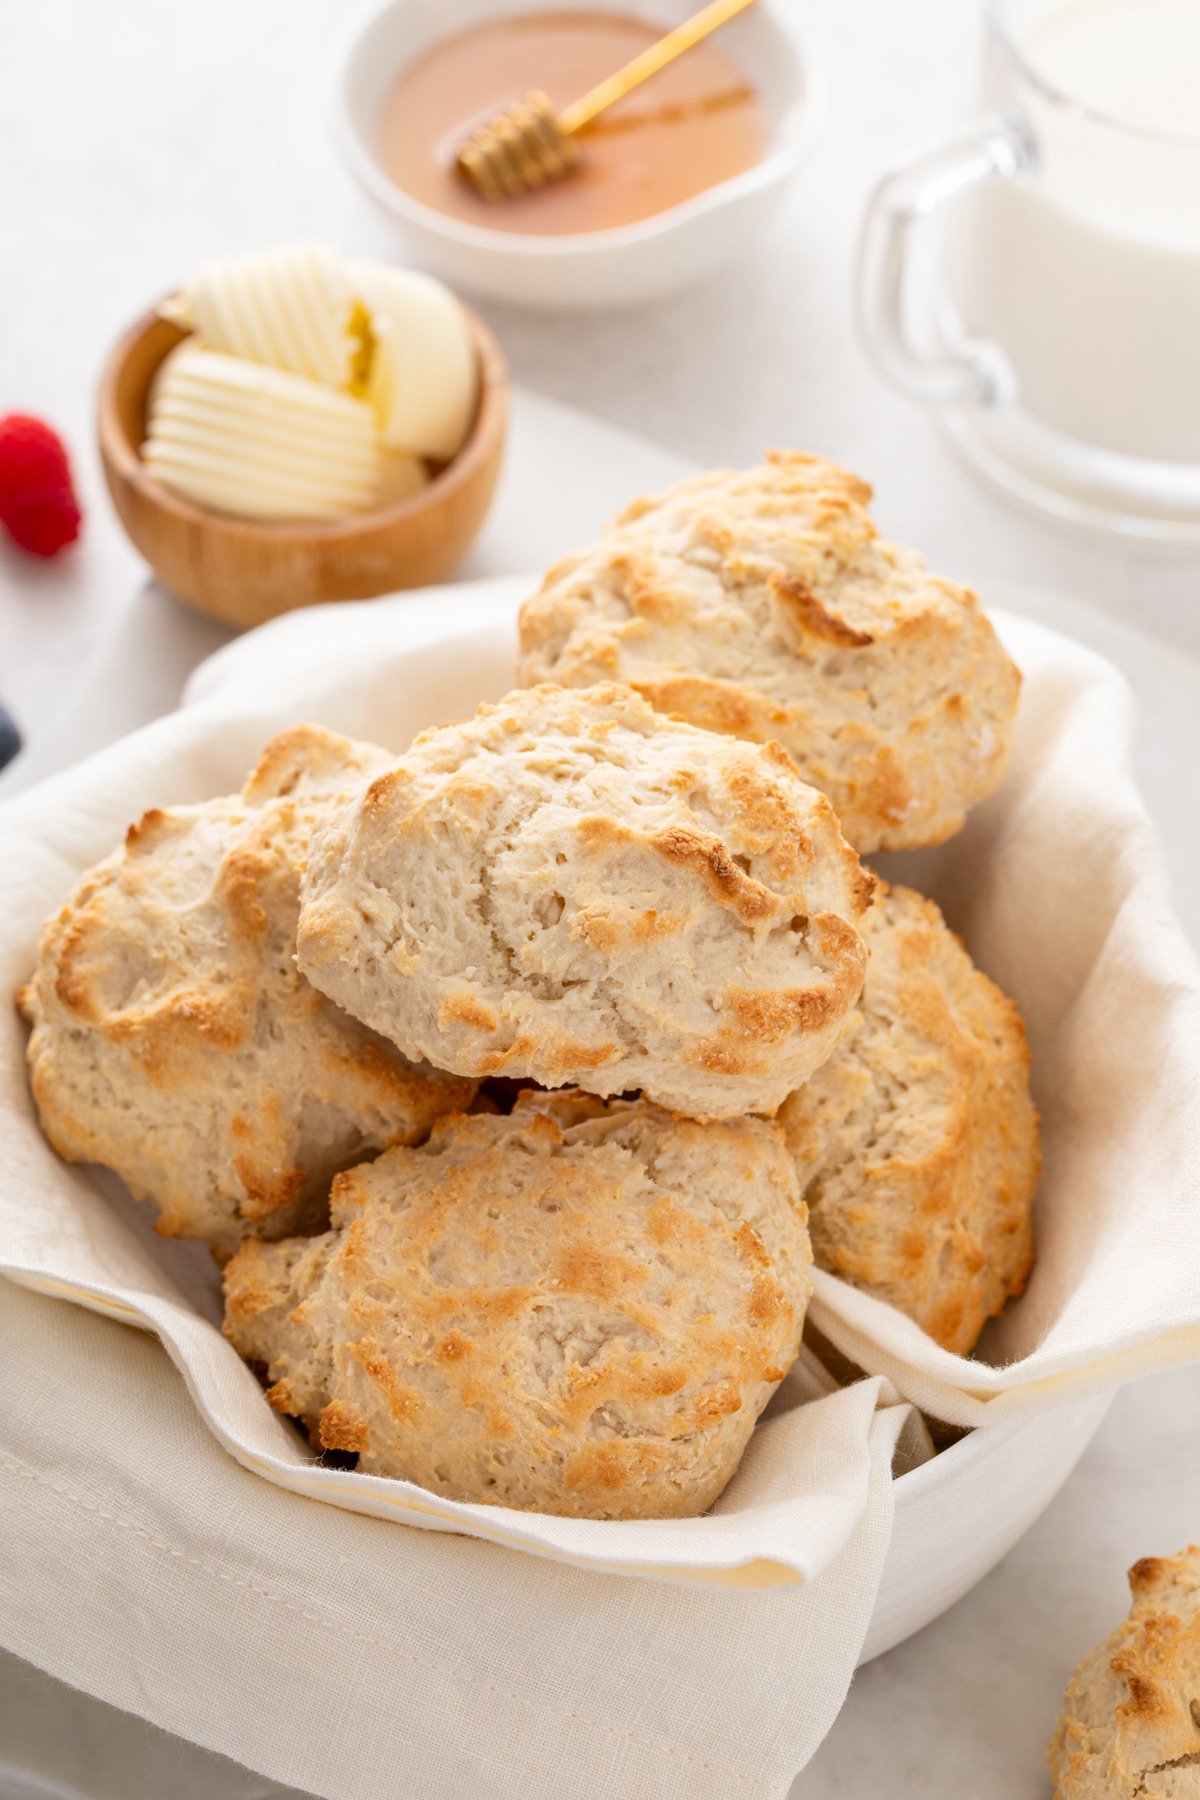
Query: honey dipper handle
x=581 y=112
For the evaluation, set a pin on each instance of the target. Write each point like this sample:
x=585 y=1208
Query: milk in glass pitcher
x=1056 y=323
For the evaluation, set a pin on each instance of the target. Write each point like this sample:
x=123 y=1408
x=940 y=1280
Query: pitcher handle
x=908 y=336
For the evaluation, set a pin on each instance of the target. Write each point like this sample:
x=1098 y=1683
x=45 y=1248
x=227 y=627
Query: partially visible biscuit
x=579 y=1308
x=1130 y=1721
x=916 y=1145
x=570 y=888
x=761 y=603
x=174 y=1039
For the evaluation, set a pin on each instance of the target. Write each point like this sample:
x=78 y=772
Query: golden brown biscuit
x=1130 y=1722
x=174 y=1039
x=578 y=1308
x=916 y=1145
x=571 y=888
x=761 y=603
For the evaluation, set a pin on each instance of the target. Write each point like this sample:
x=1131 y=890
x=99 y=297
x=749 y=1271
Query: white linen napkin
x=1057 y=885
x=357 y=1660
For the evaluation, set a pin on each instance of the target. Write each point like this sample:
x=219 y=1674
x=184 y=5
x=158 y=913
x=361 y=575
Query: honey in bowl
x=696 y=123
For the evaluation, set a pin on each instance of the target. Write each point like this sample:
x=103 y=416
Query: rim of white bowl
x=800 y=127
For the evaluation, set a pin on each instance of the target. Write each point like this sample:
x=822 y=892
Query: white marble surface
x=134 y=142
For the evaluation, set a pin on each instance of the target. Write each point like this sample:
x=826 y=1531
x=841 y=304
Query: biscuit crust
x=174 y=1039
x=580 y=1308
x=572 y=889
x=761 y=603
x=1130 y=1722
x=916 y=1145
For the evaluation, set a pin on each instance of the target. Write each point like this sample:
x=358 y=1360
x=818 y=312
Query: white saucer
x=1153 y=505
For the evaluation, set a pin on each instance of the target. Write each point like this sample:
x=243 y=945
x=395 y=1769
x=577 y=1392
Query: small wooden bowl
x=244 y=572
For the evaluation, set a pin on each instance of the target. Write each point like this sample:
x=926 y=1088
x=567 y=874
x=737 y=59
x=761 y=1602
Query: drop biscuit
x=579 y=1308
x=1130 y=1722
x=572 y=889
x=174 y=1039
x=916 y=1145
x=763 y=604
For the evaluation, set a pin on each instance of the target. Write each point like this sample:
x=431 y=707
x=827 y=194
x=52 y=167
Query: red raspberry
x=37 y=502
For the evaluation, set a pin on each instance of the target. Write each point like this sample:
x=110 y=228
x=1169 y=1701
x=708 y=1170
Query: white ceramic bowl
x=957 y=1516
x=589 y=269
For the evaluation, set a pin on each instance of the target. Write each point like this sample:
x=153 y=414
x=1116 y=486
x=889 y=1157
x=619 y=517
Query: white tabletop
x=135 y=141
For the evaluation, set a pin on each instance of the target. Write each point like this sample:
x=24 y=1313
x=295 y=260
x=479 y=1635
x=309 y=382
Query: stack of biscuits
x=518 y=1080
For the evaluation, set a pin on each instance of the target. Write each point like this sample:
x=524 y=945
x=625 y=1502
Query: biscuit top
x=755 y=561
x=1130 y=1724
x=166 y=945
x=580 y=1308
x=572 y=888
x=797 y=527
x=763 y=603
x=309 y=763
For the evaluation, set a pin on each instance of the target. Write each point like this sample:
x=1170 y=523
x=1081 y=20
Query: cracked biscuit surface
x=916 y=1144
x=174 y=1039
x=571 y=889
x=763 y=604
x=1130 y=1723
x=579 y=1308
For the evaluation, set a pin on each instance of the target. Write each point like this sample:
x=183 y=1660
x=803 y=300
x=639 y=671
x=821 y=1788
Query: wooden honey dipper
x=531 y=144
